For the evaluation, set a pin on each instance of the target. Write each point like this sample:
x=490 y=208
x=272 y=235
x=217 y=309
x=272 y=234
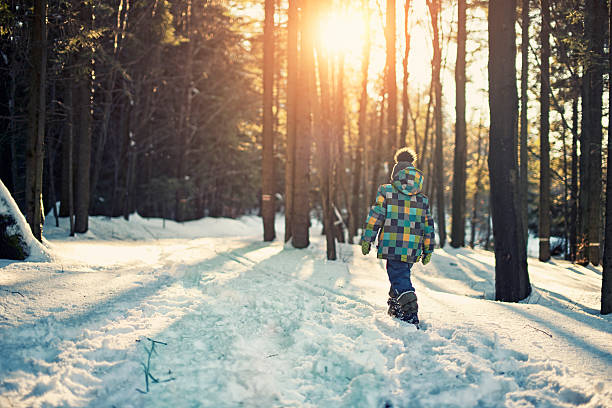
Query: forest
x=189 y=109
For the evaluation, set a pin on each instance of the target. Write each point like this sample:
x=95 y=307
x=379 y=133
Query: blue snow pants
x=399 y=276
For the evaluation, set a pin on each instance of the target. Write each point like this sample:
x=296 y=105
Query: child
x=407 y=233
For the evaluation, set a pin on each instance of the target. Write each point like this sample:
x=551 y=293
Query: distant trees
x=166 y=127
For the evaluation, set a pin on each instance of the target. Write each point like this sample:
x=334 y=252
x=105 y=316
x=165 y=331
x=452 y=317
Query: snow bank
x=20 y=229
x=148 y=229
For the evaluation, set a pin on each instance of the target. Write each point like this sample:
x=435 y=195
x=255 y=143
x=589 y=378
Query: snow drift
x=16 y=239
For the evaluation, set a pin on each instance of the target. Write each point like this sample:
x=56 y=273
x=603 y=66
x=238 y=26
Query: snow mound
x=18 y=231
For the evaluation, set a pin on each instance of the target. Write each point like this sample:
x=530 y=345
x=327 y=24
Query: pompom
x=405 y=154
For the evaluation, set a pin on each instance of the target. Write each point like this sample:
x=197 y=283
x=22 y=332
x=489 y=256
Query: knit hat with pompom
x=404 y=157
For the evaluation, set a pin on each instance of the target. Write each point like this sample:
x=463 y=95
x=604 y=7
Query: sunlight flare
x=342 y=33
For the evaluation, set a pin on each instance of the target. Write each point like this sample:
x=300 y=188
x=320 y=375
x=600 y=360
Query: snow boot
x=404 y=306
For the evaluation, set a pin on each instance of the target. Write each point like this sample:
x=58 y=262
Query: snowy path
x=256 y=324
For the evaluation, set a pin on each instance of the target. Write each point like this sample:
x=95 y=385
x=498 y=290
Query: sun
x=342 y=32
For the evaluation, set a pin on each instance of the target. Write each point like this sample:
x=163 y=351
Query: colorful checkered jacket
x=403 y=213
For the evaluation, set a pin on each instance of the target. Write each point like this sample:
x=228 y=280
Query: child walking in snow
x=401 y=213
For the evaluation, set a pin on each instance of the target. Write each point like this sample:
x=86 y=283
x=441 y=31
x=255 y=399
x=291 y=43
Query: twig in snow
x=147 y=368
x=540 y=330
x=13 y=292
x=156 y=342
x=272 y=355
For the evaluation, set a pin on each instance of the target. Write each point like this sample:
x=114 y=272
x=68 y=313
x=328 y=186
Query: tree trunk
x=36 y=120
x=13 y=73
x=322 y=121
x=361 y=124
x=595 y=19
x=574 y=188
x=606 y=276
x=67 y=178
x=565 y=197
x=300 y=222
x=267 y=168
x=83 y=152
x=292 y=84
x=544 y=207
x=459 y=177
x=391 y=77
x=423 y=153
x=376 y=154
x=582 y=255
x=405 y=100
x=51 y=155
x=511 y=277
x=184 y=127
x=340 y=176
x=476 y=189
x=523 y=170
x=83 y=113
x=434 y=11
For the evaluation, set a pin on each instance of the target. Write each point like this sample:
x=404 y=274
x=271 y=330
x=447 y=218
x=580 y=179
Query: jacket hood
x=408 y=180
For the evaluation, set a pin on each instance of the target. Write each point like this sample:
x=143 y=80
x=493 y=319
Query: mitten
x=427 y=258
x=365 y=247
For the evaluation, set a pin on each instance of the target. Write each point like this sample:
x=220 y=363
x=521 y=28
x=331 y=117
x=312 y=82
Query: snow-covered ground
x=248 y=323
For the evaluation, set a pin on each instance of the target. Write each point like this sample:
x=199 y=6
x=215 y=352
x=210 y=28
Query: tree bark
x=13 y=74
x=477 y=188
x=69 y=151
x=459 y=177
x=292 y=84
x=524 y=157
x=582 y=253
x=83 y=152
x=511 y=277
x=423 y=153
x=566 y=199
x=434 y=11
x=300 y=222
x=83 y=113
x=378 y=147
x=391 y=77
x=340 y=177
x=405 y=100
x=574 y=188
x=544 y=207
x=595 y=19
x=267 y=198
x=36 y=120
x=361 y=124
x=606 y=276
x=323 y=130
